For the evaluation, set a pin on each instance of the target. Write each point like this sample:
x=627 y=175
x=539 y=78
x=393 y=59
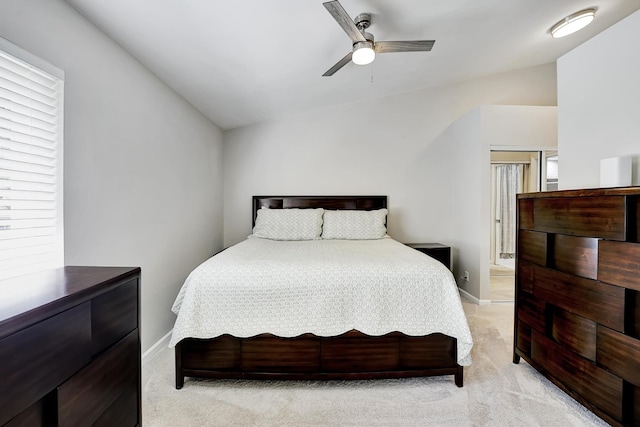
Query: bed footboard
x=352 y=355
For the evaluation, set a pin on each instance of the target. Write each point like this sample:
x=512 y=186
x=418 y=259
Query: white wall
x=389 y=146
x=465 y=152
x=468 y=144
x=143 y=181
x=599 y=104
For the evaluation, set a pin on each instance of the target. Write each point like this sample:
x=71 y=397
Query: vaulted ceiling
x=244 y=61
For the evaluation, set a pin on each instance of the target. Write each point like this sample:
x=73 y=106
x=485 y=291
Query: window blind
x=31 y=222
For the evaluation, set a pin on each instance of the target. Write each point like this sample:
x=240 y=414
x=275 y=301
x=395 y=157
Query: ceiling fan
x=364 y=47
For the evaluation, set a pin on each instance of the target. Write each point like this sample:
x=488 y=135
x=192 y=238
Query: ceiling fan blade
x=344 y=20
x=344 y=61
x=404 y=46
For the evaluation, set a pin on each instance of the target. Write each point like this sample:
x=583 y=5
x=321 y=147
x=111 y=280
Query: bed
x=325 y=307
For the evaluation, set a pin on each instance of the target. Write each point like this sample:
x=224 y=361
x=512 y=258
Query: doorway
x=513 y=172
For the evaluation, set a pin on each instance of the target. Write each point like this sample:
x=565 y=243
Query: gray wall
x=409 y=147
x=466 y=146
x=143 y=180
x=599 y=104
x=387 y=146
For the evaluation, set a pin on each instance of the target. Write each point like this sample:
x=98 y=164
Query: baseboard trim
x=155 y=349
x=473 y=299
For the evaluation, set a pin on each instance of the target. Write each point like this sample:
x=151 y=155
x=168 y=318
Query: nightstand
x=435 y=250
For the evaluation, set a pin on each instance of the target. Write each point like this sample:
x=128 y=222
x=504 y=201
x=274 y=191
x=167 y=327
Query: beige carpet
x=500 y=270
x=501 y=283
x=496 y=393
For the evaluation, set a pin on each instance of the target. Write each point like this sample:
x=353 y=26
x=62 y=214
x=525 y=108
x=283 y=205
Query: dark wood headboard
x=327 y=202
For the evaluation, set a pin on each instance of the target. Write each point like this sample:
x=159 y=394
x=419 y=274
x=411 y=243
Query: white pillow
x=288 y=224
x=354 y=225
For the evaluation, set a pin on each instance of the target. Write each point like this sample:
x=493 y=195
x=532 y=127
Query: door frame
x=540 y=185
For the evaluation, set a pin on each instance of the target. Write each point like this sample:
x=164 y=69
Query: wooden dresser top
x=588 y=192
x=28 y=299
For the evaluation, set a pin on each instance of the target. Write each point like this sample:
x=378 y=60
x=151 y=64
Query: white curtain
x=510 y=180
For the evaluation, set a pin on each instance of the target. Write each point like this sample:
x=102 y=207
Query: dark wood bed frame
x=352 y=355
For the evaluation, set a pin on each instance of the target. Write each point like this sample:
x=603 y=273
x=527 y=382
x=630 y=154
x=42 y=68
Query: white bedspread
x=325 y=287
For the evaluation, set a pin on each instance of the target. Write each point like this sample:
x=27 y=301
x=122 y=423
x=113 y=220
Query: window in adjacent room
x=31 y=135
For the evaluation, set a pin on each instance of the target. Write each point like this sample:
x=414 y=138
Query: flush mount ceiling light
x=573 y=23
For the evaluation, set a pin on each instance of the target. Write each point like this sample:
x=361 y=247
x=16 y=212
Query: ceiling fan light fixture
x=573 y=23
x=363 y=53
x=363 y=48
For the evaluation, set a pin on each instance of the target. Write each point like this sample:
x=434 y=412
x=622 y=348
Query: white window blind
x=31 y=119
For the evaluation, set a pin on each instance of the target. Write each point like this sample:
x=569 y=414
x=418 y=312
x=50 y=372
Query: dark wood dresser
x=577 y=311
x=70 y=348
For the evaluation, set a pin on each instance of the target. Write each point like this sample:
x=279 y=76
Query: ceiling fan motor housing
x=362 y=21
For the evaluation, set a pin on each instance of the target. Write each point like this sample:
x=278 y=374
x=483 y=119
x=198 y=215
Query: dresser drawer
x=35 y=415
x=597 y=301
x=618 y=263
x=525 y=214
x=575 y=333
x=531 y=311
x=619 y=354
x=575 y=255
x=38 y=358
x=92 y=392
x=599 y=216
x=579 y=375
x=113 y=315
x=532 y=247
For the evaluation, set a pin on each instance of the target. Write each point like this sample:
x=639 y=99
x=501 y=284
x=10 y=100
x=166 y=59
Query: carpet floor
x=501 y=283
x=496 y=392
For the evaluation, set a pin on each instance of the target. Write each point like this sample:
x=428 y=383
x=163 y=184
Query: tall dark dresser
x=577 y=311
x=70 y=348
